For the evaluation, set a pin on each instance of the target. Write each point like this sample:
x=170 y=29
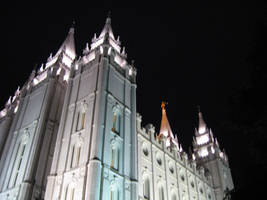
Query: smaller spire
x=165 y=128
x=202 y=127
x=86 y=50
x=107 y=28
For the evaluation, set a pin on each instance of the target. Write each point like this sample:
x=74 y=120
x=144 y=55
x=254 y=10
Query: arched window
x=116 y=119
x=161 y=193
x=115 y=154
x=174 y=197
x=80 y=120
x=146 y=188
x=17 y=166
x=70 y=193
x=75 y=155
x=116 y=123
x=114 y=194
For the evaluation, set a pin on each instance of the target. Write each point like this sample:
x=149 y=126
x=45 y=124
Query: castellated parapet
x=167 y=170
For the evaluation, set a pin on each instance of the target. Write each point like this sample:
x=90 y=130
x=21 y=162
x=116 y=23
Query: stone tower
x=95 y=154
x=208 y=154
x=29 y=137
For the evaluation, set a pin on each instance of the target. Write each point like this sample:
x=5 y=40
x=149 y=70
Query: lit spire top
x=165 y=128
x=106 y=36
x=66 y=52
x=107 y=28
x=202 y=127
x=68 y=45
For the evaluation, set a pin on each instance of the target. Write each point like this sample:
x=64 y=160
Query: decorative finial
x=72 y=27
x=108 y=20
x=163 y=104
x=198 y=108
x=109 y=14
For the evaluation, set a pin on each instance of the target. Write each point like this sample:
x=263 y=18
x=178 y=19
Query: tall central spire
x=107 y=28
x=165 y=128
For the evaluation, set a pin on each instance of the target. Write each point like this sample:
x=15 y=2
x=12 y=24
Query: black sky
x=188 y=55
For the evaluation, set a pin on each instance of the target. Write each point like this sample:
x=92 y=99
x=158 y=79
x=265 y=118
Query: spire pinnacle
x=202 y=127
x=66 y=51
x=165 y=128
x=72 y=27
x=107 y=28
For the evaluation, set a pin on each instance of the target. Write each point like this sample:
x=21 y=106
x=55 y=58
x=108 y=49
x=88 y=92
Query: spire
x=202 y=127
x=66 y=53
x=106 y=36
x=107 y=28
x=165 y=128
x=68 y=46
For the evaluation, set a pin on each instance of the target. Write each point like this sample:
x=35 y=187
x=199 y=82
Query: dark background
x=196 y=53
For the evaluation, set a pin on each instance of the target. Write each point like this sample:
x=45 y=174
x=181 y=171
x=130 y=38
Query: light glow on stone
x=35 y=81
x=114 y=45
x=58 y=71
x=202 y=130
x=202 y=139
x=109 y=50
x=97 y=43
x=101 y=50
x=130 y=72
x=3 y=113
x=66 y=77
x=70 y=53
x=203 y=152
x=16 y=109
x=120 y=61
x=66 y=60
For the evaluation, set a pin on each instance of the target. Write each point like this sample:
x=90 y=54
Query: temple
x=72 y=132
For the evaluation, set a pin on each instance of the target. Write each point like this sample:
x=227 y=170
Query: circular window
x=158 y=158
x=145 y=151
x=182 y=177
x=159 y=161
x=171 y=169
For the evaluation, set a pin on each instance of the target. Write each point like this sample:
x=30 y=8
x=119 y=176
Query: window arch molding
x=116 y=118
x=146 y=185
x=114 y=190
x=81 y=114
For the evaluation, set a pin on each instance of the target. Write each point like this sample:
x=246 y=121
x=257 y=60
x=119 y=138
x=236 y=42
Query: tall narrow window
x=72 y=193
x=116 y=123
x=78 y=155
x=115 y=154
x=75 y=155
x=80 y=121
x=146 y=189
x=173 y=197
x=66 y=192
x=111 y=195
x=161 y=193
x=72 y=156
x=18 y=162
x=112 y=157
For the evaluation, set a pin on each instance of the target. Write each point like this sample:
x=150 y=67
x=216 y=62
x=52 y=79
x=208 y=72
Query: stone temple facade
x=72 y=132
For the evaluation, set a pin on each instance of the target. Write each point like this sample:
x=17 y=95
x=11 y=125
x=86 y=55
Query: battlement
x=148 y=135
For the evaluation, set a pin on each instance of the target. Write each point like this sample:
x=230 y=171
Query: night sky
x=187 y=55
